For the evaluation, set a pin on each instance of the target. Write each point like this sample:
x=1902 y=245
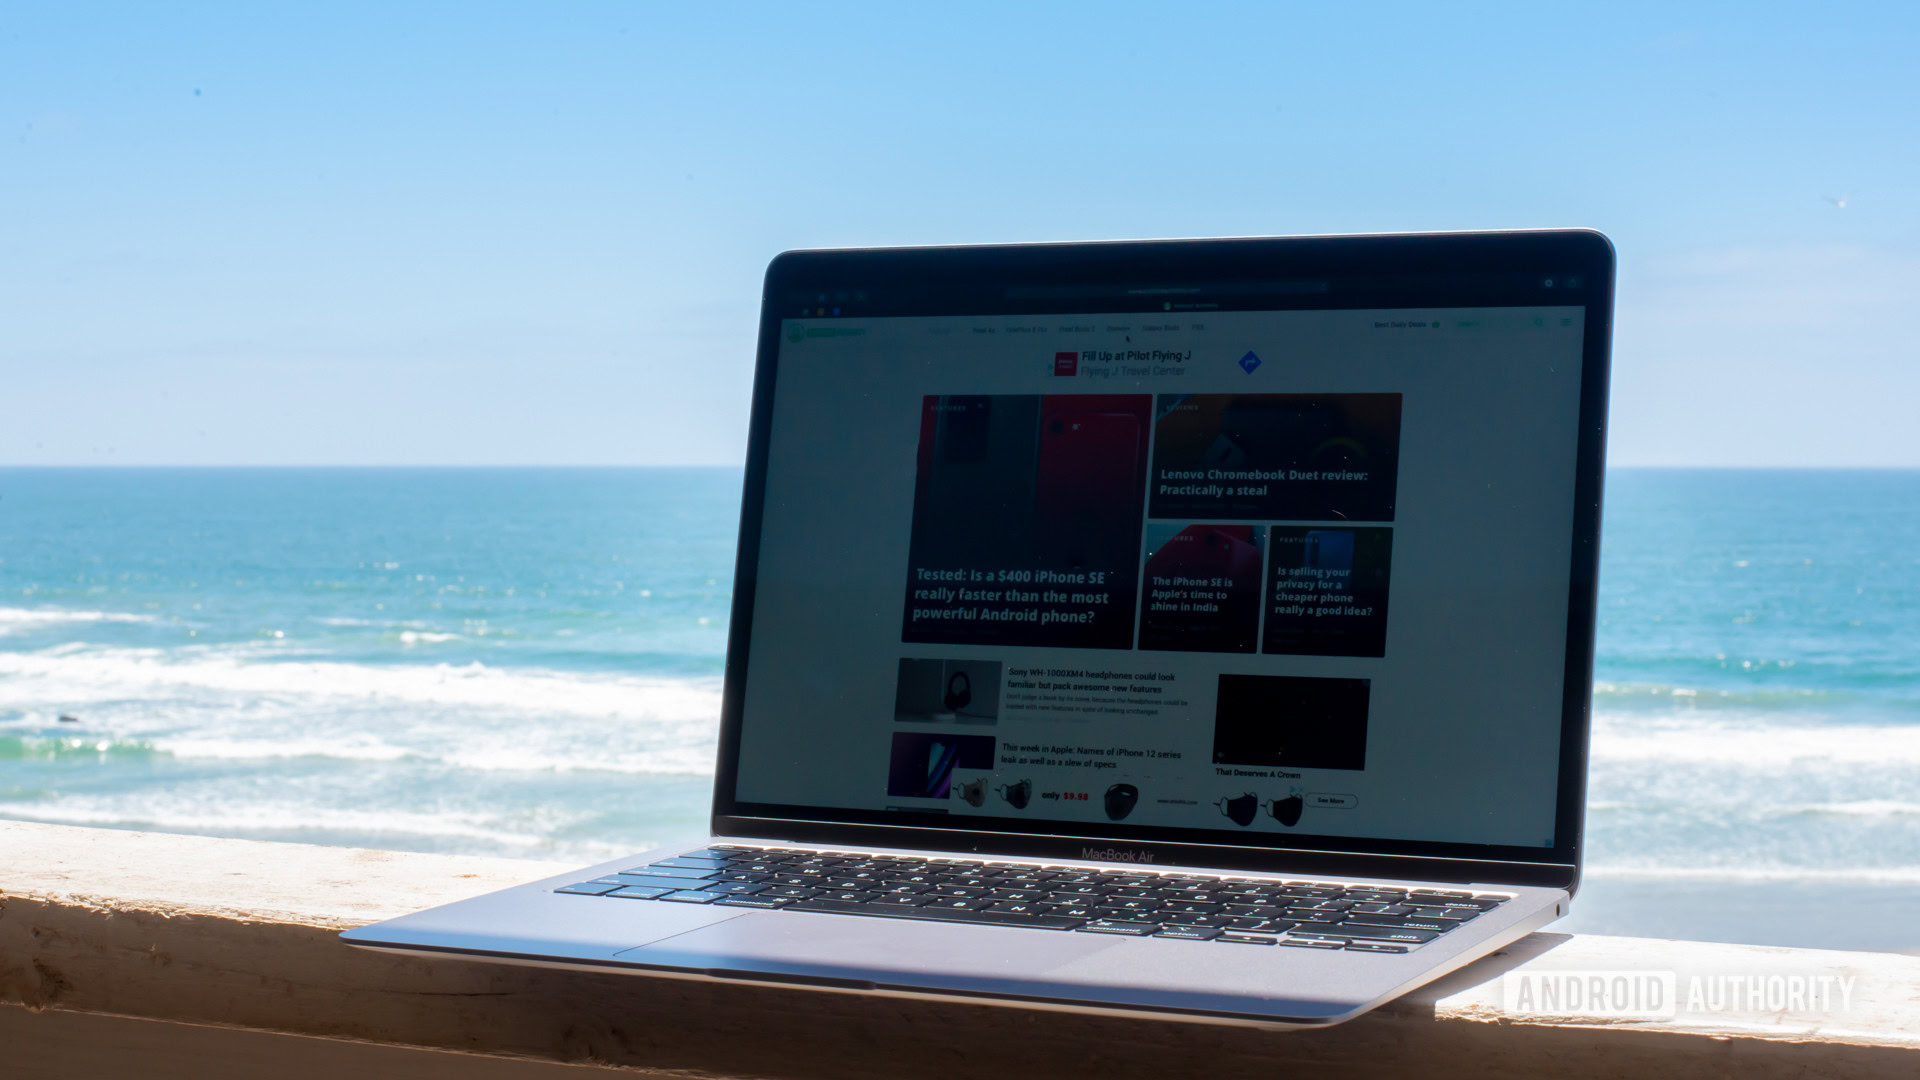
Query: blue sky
x=469 y=234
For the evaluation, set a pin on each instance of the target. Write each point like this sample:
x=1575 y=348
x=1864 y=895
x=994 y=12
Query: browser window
x=1289 y=574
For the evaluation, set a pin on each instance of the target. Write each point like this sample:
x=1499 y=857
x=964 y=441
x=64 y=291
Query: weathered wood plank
x=205 y=931
x=58 y=1045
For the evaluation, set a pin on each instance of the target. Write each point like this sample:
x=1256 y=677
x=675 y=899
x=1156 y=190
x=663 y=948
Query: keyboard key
x=1116 y=926
x=1374 y=946
x=1452 y=914
x=1218 y=922
x=1188 y=933
x=588 y=888
x=937 y=914
x=690 y=896
x=672 y=871
x=694 y=864
x=758 y=866
x=733 y=888
x=1371 y=896
x=1238 y=938
x=752 y=901
x=1036 y=877
x=959 y=903
x=1313 y=944
x=899 y=900
x=1469 y=904
x=650 y=882
x=1367 y=933
x=721 y=853
x=1437 y=925
x=1449 y=893
x=791 y=892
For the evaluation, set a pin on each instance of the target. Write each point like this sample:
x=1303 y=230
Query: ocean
x=527 y=662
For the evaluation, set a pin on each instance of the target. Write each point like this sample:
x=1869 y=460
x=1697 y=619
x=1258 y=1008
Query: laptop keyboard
x=1133 y=903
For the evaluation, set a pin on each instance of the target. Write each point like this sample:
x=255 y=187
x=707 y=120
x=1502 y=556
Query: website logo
x=1116 y=855
x=1066 y=363
x=796 y=333
x=1249 y=362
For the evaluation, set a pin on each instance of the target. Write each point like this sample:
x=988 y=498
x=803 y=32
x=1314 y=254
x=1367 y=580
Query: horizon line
x=742 y=464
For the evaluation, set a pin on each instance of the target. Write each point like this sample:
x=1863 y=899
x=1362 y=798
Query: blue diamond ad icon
x=1249 y=362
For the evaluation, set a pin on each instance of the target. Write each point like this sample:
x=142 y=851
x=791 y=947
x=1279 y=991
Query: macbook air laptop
x=1195 y=628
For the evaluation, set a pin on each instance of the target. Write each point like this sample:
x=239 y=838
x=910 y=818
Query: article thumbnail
x=1328 y=594
x=1026 y=520
x=947 y=691
x=1298 y=457
x=1292 y=722
x=1201 y=587
x=923 y=762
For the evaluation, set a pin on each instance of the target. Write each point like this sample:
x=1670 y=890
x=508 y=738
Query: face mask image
x=974 y=791
x=1017 y=794
x=1241 y=808
x=1121 y=799
x=1287 y=811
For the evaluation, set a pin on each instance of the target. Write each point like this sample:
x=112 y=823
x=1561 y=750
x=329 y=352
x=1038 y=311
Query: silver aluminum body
x=1208 y=981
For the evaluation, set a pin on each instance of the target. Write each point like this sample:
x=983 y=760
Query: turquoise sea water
x=527 y=661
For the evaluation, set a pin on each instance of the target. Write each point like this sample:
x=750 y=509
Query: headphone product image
x=959 y=692
x=1017 y=794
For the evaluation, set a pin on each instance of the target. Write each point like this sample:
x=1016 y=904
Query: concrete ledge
x=231 y=944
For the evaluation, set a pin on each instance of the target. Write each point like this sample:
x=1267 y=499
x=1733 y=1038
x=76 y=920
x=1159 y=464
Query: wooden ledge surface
x=208 y=936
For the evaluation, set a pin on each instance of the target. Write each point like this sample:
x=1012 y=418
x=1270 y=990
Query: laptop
x=1195 y=628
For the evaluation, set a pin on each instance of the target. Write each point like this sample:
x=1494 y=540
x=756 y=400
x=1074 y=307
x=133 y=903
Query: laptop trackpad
x=867 y=949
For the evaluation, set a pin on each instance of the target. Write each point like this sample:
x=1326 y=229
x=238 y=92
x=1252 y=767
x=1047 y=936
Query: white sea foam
x=517 y=834
x=14 y=620
x=1865 y=808
x=78 y=676
x=235 y=703
x=1759 y=743
x=352 y=749
x=1858 y=875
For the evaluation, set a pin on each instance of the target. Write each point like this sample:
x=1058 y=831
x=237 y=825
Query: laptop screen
x=1216 y=560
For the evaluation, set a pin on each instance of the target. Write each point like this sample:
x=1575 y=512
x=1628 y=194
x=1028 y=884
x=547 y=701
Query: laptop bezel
x=1066 y=269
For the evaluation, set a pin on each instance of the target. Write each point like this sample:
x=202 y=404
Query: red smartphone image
x=1089 y=479
x=1202 y=588
x=1034 y=494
